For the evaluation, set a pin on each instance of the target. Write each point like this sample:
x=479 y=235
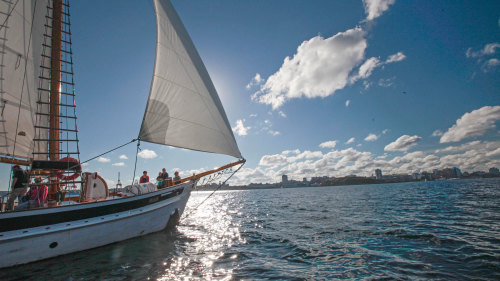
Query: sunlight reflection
x=213 y=228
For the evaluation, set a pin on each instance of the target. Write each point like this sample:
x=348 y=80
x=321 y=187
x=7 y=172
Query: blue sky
x=311 y=88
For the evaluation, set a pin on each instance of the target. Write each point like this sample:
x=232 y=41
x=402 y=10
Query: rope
x=108 y=151
x=210 y=195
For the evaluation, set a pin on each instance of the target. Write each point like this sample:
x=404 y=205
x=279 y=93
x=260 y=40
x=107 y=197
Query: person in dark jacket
x=19 y=186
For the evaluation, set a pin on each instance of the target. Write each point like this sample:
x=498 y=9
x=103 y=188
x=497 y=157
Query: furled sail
x=183 y=109
x=21 y=37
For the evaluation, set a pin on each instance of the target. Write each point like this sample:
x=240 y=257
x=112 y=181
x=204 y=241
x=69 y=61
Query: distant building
x=494 y=171
x=457 y=172
x=304 y=180
x=284 y=178
x=378 y=174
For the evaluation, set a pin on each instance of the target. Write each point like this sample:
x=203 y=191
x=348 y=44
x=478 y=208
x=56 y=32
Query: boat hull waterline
x=24 y=245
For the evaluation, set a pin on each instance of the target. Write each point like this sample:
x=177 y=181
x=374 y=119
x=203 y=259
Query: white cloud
x=494 y=153
x=282 y=114
x=490 y=64
x=399 y=56
x=123 y=157
x=119 y=164
x=437 y=133
x=473 y=124
x=385 y=131
x=273 y=160
x=256 y=80
x=366 y=69
x=351 y=140
x=473 y=156
x=386 y=82
x=253 y=115
x=403 y=143
x=375 y=8
x=103 y=159
x=371 y=137
x=328 y=144
x=147 y=154
x=273 y=133
x=347 y=103
x=319 y=68
x=488 y=49
x=240 y=129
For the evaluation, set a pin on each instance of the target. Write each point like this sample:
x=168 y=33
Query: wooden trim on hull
x=30 y=220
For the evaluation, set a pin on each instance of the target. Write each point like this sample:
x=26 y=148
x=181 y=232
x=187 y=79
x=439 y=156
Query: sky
x=311 y=88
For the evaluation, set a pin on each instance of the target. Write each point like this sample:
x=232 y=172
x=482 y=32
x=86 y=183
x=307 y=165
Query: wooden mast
x=55 y=88
x=55 y=78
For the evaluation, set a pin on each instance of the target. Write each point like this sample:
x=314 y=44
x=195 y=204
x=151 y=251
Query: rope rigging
x=210 y=179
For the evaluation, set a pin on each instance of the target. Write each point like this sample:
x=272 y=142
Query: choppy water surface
x=428 y=230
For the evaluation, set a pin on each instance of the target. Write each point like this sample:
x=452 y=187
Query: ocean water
x=443 y=230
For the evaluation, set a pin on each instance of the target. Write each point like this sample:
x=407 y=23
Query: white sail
x=183 y=109
x=21 y=36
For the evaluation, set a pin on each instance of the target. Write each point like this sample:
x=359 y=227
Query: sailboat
x=38 y=130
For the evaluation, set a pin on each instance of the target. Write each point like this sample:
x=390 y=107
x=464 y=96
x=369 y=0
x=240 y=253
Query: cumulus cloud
x=351 y=140
x=488 y=49
x=123 y=157
x=273 y=133
x=481 y=55
x=273 y=160
x=386 y=82
x=494 y=153
x=403 y=143
x=256 y=80
x=375 y=8
x=282 y=114
x=385 y=131
x=472 y=124
x=347 y=103
x=371 y=137
x=103 y=159
x=490 y=64
x=437 y=133
x=240 y=128
x=319 y=68
x=328 y=144
x=399 y=56
x=322 y=66
x=472 y=156
x=367 y=68
x=119 y=164
x=147 y=154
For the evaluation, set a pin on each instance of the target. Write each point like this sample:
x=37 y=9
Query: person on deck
x=19 y=186
x=144 y=178
x=165 y=177
x=37 y=196
x=160 y=181
x=177 y=179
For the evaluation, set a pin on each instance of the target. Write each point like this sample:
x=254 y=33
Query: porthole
x=53 y=245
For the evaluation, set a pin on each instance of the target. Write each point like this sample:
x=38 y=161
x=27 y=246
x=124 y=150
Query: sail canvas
x=21 y=37
x=183 y=109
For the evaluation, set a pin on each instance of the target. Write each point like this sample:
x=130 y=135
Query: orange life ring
x=73 y=176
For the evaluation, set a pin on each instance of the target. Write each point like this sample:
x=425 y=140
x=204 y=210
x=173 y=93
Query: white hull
x=46 y=241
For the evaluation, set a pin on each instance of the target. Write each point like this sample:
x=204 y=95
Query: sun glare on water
x=212 y=230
